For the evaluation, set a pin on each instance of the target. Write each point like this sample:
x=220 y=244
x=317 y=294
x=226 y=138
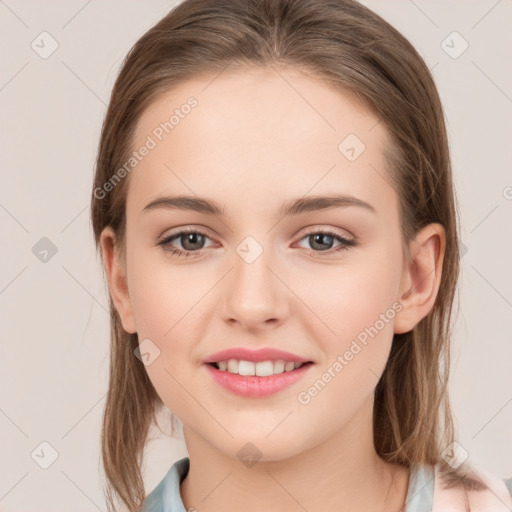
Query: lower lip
x=253 y=386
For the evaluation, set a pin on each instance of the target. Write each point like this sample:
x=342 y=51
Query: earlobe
x=117 y=282
x=422 y=277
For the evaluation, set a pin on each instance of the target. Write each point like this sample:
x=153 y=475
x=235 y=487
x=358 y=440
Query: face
x=322 y=284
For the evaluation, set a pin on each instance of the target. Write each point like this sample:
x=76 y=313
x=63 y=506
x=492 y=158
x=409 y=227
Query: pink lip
x=256 y=356
x=254 y=386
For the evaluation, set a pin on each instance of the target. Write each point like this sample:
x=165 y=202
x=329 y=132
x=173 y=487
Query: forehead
x=257 y=133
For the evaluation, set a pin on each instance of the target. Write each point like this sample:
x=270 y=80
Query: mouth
x=258 y=369
x=257 y=380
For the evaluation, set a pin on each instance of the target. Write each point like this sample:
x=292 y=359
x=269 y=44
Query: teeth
x=264 y=369
x=233 y=366
x=278 y=367
x=246 y=368
x=261 y=369
x=288 y=367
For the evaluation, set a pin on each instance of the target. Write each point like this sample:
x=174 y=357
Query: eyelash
x=345 y=243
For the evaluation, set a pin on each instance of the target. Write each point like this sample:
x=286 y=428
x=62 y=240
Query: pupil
x=321 y=236
x=191 y=238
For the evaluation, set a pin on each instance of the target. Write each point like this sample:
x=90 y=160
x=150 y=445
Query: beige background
x=55 y=333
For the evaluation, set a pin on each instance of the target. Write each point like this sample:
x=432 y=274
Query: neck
x=343 y=473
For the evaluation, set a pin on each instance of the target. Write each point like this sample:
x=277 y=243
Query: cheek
x=357 y=304
x=161 y=293
x=339 y=308
x=359 y=293
x=170 y=304
x=359 y=309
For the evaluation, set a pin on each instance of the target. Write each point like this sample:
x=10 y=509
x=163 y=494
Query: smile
x=249 y=379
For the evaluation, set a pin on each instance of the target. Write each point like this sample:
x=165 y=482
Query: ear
x=115 y=269
x=421 y=277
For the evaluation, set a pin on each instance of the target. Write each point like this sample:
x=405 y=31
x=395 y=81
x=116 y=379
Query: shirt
x=166 y=495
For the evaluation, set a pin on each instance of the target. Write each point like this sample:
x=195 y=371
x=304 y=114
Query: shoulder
x=166 y=495
x=429 y=492
x=494 y=495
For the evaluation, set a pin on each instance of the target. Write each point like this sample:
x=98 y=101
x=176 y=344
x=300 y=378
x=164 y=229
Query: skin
x=258 y=138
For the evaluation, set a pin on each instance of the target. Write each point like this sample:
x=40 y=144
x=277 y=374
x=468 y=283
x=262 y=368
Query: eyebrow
x=292 y=207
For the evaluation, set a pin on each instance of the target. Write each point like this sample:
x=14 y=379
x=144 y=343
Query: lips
x=256 y=356
x=255 y=386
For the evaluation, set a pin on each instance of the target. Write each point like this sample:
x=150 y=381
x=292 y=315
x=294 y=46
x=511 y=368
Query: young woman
x=274 y=206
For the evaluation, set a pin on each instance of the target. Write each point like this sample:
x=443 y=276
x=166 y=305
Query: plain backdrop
x=53 y=300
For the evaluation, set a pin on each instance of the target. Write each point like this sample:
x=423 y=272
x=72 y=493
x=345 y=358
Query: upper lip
x=256 y=356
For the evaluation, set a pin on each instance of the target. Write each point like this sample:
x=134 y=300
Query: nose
x=253 y=295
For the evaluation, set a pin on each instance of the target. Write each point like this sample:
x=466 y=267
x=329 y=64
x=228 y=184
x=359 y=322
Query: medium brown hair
x=348 y=46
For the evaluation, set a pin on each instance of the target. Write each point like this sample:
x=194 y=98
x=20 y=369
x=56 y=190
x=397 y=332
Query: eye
x=191 y=240
x=319 y=239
